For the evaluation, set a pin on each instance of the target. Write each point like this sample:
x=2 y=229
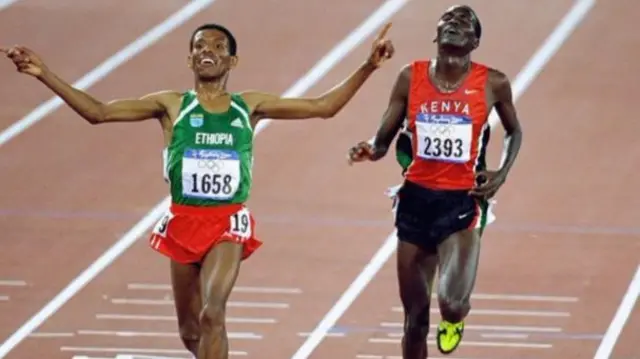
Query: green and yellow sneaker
x=449 y=336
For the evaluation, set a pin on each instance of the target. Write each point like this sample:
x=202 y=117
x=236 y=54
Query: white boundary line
x=529 y=72
x=319 y=70
x=620 y=319
x=6 y=3
x=109 y=65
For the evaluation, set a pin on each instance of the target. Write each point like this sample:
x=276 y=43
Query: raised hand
x=382 y=49
x=26 y=61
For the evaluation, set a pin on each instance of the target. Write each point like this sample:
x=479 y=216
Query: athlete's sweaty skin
x=201 y=289
x=456 y=257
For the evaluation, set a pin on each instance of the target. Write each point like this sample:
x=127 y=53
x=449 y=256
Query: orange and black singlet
x=450 y=130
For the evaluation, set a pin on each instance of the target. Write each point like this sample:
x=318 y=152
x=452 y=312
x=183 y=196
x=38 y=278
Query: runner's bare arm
x=331 y=102
x=92 y=110
x=393 y=116
x=151 y=106
x=326 y=105
x=503 y=98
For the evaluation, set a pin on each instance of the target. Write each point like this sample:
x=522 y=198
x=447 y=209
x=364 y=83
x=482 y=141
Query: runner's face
x=210 y=54
x=455 y=28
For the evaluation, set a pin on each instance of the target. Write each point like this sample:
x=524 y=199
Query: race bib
x=241 y=223
x=162 y=225
x=444 y=137
x=210 y=174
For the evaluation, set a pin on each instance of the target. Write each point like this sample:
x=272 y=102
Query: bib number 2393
x=444 y=137
x=210 y=174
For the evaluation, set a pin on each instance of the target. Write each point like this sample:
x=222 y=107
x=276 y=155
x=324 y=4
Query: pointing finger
x=384 y=31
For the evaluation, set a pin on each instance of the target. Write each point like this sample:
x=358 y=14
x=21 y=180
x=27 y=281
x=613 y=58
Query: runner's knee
x=212 y=316
x=190 y=331
x=416 y=322
x=453 y=308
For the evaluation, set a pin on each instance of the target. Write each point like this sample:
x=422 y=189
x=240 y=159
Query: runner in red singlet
x=442 y=206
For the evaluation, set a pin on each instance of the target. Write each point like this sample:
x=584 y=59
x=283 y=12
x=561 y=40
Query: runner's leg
x=185 y=282
x=217 y=277
x=415 y=269
x=459 y=255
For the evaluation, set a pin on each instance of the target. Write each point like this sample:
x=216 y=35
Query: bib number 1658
x=211 y=183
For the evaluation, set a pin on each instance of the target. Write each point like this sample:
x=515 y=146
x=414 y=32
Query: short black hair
x=233 y=45
x=477 y=27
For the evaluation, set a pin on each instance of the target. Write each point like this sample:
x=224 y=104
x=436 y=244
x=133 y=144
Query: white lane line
x=468 y=343
x=504 y=312
x=317 y=72
x=524 y=298
x=132 y=333
x=529 y=72
x=496 y=328
x=109 y=65
x=620 y=318
x=12 y=283
x=51 y=335
x=230 y=304
x=136 y=350
x=330 y=335
x=238 y=289
x=172 y=318
x=6 y=3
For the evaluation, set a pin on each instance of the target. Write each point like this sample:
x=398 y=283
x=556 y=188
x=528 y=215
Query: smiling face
x=457 y=29
x=210 y=56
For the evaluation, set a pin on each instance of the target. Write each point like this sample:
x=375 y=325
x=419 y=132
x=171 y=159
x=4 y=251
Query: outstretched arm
x=331 y=102
x=392 y=119
x=92 y=110
x=326 y=105
x=96 y=112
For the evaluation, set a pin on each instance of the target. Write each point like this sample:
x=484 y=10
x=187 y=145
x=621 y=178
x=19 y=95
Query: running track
x=555 y=267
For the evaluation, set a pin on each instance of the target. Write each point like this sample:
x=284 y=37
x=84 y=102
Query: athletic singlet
x=209 y=161
x=450 y=130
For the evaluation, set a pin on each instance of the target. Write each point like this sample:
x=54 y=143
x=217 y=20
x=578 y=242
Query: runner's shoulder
x=166 y=98
x=253 y=97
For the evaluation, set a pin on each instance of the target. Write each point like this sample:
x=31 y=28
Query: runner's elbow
x=324 y=109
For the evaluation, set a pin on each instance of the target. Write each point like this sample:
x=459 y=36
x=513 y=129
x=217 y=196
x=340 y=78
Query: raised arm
x=392 y=119
x=330 y=103
x=89 y=108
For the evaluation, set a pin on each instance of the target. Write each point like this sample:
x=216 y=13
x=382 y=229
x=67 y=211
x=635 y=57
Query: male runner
x=208 y=134
x=442 y=204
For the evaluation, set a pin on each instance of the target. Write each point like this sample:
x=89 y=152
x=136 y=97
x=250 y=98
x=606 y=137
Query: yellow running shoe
x=449 y=336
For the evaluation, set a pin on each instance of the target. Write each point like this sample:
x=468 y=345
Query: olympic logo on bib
x=213 y=165
x=442 y=129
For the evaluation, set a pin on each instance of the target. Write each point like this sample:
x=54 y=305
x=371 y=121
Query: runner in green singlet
x=208 y=134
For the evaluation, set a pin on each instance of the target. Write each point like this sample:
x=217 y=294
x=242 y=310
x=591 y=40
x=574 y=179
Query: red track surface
x=565 y=228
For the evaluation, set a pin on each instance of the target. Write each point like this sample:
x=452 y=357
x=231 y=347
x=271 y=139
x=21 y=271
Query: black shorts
x=426 y=217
